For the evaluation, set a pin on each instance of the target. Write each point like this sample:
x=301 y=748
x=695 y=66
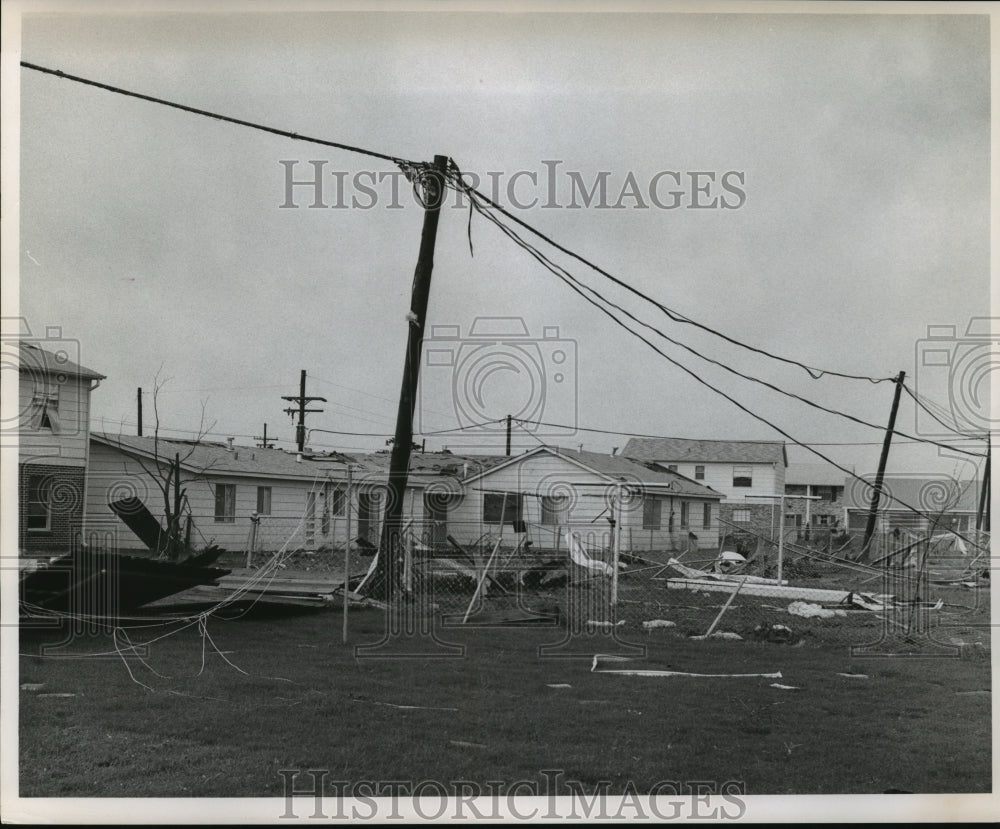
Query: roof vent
x=230 y=442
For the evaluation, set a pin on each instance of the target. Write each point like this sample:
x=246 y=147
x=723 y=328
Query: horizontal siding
x=767 y=480
x=68 y=447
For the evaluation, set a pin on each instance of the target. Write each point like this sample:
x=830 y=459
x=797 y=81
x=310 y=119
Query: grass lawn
x=306 y=702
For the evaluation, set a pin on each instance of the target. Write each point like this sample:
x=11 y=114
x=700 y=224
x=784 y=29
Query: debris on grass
x=32 y=686
x=786 y=687
x=813 y=611
x=855 y=676
x=57 y=695
x=652 y=624
x=464 y=744
x=592 y=623
x=558 y=685
x=650 y=672
x=405 y=707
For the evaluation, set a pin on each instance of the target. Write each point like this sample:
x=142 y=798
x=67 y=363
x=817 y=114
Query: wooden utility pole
x=386 y=575
x=138 y=408
x=983 y=513
x=265 y=442
x=302 y=411
x=880 y=475
x=508 y=436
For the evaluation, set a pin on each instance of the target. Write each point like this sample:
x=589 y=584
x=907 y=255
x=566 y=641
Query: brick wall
x=65 y=486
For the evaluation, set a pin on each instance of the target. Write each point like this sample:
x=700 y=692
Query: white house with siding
x=551 y=490
x=738 y=469
x=53 y=443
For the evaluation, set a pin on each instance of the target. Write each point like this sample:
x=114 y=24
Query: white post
x=616 y=541
x=347 y=550
x=781 y=537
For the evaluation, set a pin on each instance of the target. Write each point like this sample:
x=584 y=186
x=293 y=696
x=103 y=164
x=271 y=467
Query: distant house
x=818 y=480
x=550 y=490
x=941 y=503
x=53 y=442
x=738 y=469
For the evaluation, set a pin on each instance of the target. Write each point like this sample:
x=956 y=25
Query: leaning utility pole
x=138 y=408
x=386 y=576
x=983 y=513
x=880 y=475
x=302 y=411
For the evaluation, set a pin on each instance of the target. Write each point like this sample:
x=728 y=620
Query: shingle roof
x=34 y=359
x=622 y=469
x=929 y=495
x=709 y=451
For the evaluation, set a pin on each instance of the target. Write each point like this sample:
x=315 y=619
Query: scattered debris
x=726 y=634
x=786 y=687
x=652 y=624
x=56 y=695
x=558 y=685
x=813 y=611
x=464 y=744
x=404 y=707
x=777 y=634
x=648 y=672
x=32 y=686
x=592 y=623
x=855 y=676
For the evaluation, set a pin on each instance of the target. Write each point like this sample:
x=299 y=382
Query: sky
x=814 y=185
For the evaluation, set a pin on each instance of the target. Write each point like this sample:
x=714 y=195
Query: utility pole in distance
x=508 y=436
x=265 y=443
x=880 y=475
x=386 y=576
x=302 y=411
x=138 y=408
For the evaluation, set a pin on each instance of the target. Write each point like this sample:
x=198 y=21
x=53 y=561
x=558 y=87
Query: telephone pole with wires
x=301 y=410
x=265 y=442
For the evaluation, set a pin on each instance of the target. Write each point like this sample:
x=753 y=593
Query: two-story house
x=53 y=445
x=739 y=469
x=824 y=505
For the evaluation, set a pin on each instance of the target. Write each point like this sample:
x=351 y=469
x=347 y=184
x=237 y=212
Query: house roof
x=929 y=495
x=616 y=468
x=662 y=450
x=816 y=474
x=36 y=360
x=277 y=463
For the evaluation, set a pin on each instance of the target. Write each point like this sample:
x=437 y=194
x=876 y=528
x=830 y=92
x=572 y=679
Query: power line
x=456 y=181
x=580 y=287
x=216 y=116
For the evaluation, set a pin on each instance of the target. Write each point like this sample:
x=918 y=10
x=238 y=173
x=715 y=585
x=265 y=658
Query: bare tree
x=169 y=476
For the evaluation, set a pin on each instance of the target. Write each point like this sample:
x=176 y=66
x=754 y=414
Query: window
x=741 y=516
x=494 y=502
x=706 y=516
x=793 y=519
x=742 y=476
x=225 y=503
x=263 y=500
x=45 y=409
x=39 y=505
x=555 y=509
x=823 y=520
x=795 y=489
x=699 y=473
x=336 y=497
x=651 y=508
x=832 y=493
x=684 y=514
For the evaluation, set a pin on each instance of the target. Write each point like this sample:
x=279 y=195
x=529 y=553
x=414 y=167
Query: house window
x=699 y=473
x=741 y=516
x=508 y=502
x=822 y=520
x=651 y=508
x=795 y=489
x=263 y=500
x=793 y=519
x=706 y=516
x=742 y=476
x=45 y=410
x=336 y=497
x=39 y=505
x=225 y=503
x=684 y=514
x=832 y=493
x=554 y=509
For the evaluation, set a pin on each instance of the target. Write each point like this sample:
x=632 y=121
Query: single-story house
x=550 y=490
x=942 y=503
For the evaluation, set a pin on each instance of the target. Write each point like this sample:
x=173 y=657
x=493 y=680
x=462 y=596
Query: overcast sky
x=857 y=214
